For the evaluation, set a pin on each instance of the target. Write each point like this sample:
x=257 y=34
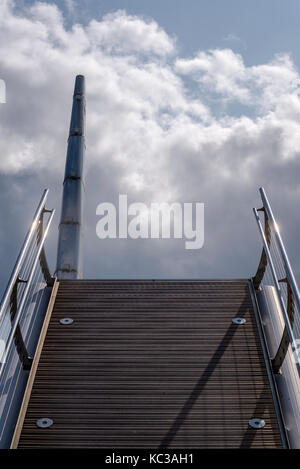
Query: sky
x=190 y=101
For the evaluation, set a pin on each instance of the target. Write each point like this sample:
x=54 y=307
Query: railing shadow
x=203 y=380
x=259 y=410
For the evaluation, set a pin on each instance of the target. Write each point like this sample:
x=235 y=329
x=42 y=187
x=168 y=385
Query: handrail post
x=257 y=279
x=43 y=259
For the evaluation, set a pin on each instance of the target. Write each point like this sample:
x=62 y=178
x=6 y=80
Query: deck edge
x=31 y=378
x=273 y=387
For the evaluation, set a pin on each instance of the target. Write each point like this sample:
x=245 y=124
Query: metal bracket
x=66 y=321
x=25 y=358
x=257 y=423
x=69 y=271
x=43 y=260
x=44 y=422
x=263 y=259
x=239 y=321
x=285 y=341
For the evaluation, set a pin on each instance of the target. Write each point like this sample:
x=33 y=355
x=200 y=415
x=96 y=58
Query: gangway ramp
x=150 y=364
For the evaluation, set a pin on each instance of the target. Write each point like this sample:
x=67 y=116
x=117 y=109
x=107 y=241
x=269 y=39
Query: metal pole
x=285 y=259
x=23 y=251
x=68 y=264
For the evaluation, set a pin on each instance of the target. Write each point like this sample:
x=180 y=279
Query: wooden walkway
x=150 y=364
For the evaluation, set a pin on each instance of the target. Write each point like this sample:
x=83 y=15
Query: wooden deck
x=151 y=364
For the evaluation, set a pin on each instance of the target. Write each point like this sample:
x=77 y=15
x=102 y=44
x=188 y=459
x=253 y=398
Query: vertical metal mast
x=68 y=264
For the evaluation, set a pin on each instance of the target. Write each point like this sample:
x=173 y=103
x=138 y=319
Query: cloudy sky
x=191 y=101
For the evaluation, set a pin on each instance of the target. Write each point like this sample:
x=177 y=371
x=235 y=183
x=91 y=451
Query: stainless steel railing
x=278 y=306
x=27 y=281
x=275 y=269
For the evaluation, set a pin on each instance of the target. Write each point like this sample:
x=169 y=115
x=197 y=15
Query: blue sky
x=257 y=28
x=191 y=101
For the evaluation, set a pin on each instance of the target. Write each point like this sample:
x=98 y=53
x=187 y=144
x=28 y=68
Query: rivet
x=66 y=321
x=239 y=321
x=257 y=423
x=44 y=423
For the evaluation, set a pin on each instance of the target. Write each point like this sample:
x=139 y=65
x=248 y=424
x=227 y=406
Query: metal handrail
x=277 y=287
x=287 y=266
x=22 y=254
x=285 y=259
x=32 y=252
x=28 y=284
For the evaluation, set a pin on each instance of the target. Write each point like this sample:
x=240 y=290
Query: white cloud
x=234 y=38
x=220 y=71
x=223 y=72
x=139 y=111
x=122 y=33
x=158 y=139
